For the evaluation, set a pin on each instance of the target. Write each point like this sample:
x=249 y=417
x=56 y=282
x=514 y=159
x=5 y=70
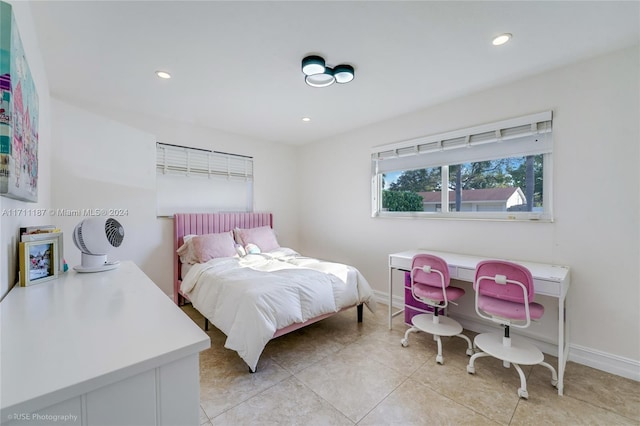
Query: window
x=495 y=171
x=198 y=180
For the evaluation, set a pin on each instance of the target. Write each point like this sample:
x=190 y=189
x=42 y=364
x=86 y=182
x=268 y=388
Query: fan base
x=98 y=268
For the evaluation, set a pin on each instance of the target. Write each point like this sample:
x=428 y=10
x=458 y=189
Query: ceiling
x=236 y=64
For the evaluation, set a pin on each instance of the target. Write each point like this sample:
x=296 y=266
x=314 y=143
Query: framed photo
x=48 y=236
x=38 y=261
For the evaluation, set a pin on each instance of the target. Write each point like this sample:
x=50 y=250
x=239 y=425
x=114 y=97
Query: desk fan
x=94 y=237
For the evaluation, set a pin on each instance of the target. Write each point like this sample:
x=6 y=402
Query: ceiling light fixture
x=163 y=74
x=322 y=79
x=501 y=39
x=317 y=74
x=343 y=73
x=313 y=65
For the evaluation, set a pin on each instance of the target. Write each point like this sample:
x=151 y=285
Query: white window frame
x=522 y=136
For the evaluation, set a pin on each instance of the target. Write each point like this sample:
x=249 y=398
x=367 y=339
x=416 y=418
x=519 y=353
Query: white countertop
x=66 y=337
x=555 y=273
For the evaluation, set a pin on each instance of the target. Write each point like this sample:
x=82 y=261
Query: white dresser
x=106 y=348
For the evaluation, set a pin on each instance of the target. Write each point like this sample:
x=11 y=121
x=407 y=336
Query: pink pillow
x=211 y=246
x=263 y=237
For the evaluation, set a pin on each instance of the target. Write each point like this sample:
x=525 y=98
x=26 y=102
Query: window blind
x=197 y=180
x=528 y=135
x=180 y=160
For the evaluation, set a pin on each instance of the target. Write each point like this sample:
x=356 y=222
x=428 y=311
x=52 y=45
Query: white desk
x=100 y=348
x=549 y=280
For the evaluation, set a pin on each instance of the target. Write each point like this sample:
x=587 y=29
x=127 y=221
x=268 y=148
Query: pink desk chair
x=430 y=285
x=504 y=294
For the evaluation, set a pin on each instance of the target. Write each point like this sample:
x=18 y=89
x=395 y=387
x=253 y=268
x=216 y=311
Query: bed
x=257 y=290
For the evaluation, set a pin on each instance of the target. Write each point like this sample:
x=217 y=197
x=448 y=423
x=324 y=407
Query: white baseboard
x=594 y=358
x=610 y=363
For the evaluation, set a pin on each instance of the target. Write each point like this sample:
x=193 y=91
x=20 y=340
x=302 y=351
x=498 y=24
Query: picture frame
x=38 y=261
x=49 y=236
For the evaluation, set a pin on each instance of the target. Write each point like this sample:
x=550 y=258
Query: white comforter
x=249 y=298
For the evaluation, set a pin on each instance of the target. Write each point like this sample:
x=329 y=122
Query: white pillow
x=186 y=251
x=240 y=250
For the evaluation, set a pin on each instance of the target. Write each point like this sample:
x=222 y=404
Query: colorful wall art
x=18 y=115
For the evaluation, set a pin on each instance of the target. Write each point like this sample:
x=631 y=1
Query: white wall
x=100 y=164
x=596 y=196
x=106 y=160
x=275 y=165
x=12 y=216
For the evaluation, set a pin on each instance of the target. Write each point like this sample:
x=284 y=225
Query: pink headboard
x=209 y=223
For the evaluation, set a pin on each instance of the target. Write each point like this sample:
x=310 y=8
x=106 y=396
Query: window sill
x=493 y=217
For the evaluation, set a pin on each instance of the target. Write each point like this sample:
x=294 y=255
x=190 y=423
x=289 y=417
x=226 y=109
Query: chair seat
x=435 y=293
x=444 y=327
x=507 y=309
x=520 y=352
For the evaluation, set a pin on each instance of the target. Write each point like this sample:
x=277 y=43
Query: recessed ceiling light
x=163 y=74
x=306 y=119
x=501 y=39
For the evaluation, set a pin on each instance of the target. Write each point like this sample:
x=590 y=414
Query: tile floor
x=339 y=372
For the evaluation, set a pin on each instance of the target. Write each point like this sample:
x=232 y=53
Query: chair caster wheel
x=522 y=393
x=469 y=352
x=471 y=369
x=439 y=359
x=404 y=343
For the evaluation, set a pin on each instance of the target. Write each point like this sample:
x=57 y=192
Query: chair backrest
x=505 y=291
x=431 y=279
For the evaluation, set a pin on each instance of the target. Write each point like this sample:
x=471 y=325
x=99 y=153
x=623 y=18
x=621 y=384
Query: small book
x=38 y=229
